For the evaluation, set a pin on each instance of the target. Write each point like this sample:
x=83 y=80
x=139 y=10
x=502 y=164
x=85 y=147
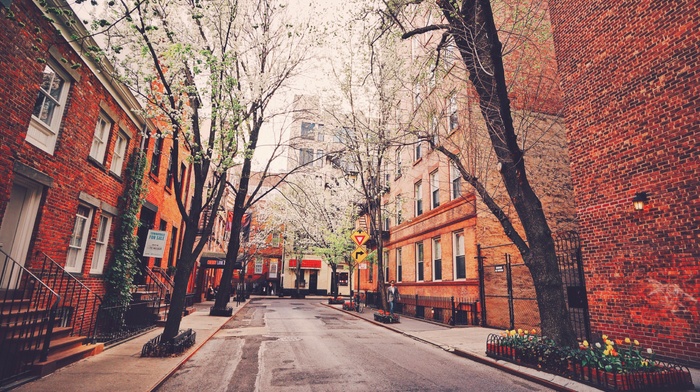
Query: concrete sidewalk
x=121 y=368
x=470 y=342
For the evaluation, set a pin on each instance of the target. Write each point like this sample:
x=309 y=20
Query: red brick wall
x=69 y=167
x=630 y=74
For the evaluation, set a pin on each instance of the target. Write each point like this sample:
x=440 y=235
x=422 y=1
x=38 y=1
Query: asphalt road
x=301 y=345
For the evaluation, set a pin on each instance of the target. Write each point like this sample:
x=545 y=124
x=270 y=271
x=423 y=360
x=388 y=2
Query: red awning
x=305 y=264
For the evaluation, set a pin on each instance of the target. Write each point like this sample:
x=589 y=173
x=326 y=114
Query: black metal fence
x=444 y=310
x=28 y=315
x=116 y=323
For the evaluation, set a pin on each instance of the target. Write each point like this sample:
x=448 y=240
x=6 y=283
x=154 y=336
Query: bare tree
x=470 y=26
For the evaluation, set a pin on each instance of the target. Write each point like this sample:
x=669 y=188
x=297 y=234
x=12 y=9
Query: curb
x=467 y=355
x=193 y=351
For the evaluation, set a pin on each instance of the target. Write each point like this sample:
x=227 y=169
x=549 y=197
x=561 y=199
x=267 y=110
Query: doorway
x=313 y=282
x=17 y=227
x=148 y=220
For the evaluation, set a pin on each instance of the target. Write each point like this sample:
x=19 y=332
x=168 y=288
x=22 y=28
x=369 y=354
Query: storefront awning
x=305 y=264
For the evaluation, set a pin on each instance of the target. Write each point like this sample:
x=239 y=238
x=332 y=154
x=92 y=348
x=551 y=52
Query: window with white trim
x=78 y=239
x=437 y=259
x=434 y=190
x=455 y=182
x=418 y=151
x=258 y=266
x=420 y=262
x=399 y=207
x=398 y=264
x=49 y=109
x=100 y=139
x=119 y=154
x=319 y=158
x=418 y=197
x=101 y=240
x=157 y=153
x=460 y=267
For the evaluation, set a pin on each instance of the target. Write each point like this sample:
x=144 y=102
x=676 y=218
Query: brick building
x=630 y=75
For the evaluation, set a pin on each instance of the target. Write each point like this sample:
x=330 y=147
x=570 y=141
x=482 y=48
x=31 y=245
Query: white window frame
x=437 y=256
x=319 y=158
x=420 y=261
x=399 y=207
x=101 y=241
x=399 y=266
x=455 y=182
x=418 y=197
x=258 y=266
x=434 y=190
x=45 y=134
x=457 y=251
x=100 y=139
x=119 y=154
x=418 y=151
x=79 y=239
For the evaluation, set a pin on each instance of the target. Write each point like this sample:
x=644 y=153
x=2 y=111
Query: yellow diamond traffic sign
x=359 y=254
x=359 y=237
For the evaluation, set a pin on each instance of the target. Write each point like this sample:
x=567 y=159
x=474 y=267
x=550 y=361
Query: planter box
x=386 y=318
x=336 y=301
x=665 y=376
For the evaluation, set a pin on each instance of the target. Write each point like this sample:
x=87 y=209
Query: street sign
x=359 y=237
x=362 y=266
x=359 y=254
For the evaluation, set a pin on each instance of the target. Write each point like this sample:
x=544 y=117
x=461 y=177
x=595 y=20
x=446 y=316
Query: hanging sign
x=155 y=244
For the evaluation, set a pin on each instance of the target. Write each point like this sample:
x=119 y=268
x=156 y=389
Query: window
x=119 y=154
x=386 y=273
x=157 y=152
x=435 y=130
x=101 y=138
x=319 y=158
x=419 y=262
x=98 y=257
x=398 y=162
x=275 y=239
x=306 y=155
x=258 y=266
x=449 y=54
x=460 y=267
x=455 y=182
x=320 y=134
x=307 y=130
x=399 y=218
x=78 y=239
x=418 y=193
x=343 y=279
x=418 y=152
x=434 y=189
x=417 y=100
x=169 y=174
x=437 y=259
x=398 y=264
x=272 y=273
x=454 y=121
x=387 y=224
x=48 y=110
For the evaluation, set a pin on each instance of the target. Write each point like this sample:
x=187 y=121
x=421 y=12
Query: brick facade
x=67 y=177
x=629 y=72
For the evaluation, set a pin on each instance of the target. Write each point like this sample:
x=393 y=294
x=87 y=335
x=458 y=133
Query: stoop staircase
x=47 y=320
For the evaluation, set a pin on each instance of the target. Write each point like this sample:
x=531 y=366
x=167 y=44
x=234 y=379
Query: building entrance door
x=16 y=228
x=313 y=282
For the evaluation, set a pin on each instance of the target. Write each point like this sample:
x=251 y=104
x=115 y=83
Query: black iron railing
x=117 y=323
x=445 y=310
x=78 y=306
x=155 y=285
x=28 y=314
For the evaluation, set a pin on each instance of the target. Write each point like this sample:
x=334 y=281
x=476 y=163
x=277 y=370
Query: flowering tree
x=469 y=26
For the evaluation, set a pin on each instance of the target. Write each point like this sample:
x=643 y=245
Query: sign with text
x=155 y=244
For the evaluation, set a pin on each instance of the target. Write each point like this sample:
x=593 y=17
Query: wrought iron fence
x=28 y=315
x=444 y=310
x=116 y=323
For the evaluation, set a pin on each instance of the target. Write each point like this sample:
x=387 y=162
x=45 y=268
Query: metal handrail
x=28 y=310
x=80 y=305
x=161 y=288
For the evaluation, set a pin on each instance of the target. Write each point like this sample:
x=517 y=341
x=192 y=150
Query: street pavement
x=121 y=368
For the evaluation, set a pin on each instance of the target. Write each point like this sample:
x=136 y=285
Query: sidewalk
x=121 y=368
x=470 y=342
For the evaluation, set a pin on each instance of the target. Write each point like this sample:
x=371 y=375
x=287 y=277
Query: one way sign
x=359 y=254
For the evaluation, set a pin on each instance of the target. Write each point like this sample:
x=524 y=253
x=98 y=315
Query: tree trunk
x=182 y=276
x=476 y=37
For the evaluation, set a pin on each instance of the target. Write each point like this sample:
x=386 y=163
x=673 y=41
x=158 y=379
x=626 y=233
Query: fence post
x=454 y=313
x=482 y=288
x=510 y=292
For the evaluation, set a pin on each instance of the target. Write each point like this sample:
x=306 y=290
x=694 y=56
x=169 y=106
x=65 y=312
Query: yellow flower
x=511 y=333
x=585 y=343
x=520 y=331
x=607 y=351
x=605 y=337
x=609 y=342
x=636 y=342
x=534 y=331
x=627 y=340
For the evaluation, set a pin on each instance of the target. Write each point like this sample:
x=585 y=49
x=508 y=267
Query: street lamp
x=639 y=200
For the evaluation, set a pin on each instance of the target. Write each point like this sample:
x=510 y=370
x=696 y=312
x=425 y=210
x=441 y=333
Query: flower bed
x=608 y=365
x=386 y=317
x=336 y=301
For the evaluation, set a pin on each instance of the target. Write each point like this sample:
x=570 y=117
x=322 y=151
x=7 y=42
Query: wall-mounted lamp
x=639 y=200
